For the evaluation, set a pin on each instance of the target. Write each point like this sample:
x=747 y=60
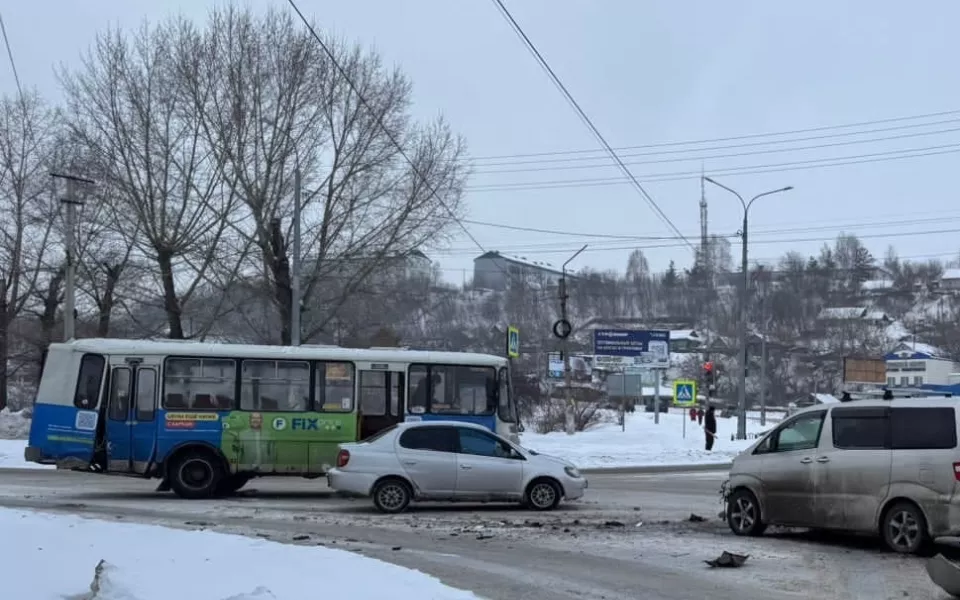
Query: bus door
x=131 y=414
x=382 y=402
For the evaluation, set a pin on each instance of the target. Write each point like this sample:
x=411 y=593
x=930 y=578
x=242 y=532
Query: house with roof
x=950 y=280
x=494 y=271
x=847 y=314
x=914 y=364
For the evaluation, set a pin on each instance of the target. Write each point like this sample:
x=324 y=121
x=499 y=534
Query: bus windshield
x=452 y=390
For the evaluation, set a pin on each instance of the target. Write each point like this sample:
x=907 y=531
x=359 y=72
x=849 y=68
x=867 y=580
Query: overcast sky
x=647 y=73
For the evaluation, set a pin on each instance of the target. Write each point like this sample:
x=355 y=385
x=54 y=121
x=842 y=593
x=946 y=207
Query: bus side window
x=89 y=380
x=419 y=390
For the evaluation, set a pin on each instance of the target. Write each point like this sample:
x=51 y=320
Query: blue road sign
x=684 y=392
x=649 y=348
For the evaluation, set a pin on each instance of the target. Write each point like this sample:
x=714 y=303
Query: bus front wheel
x=196 y=475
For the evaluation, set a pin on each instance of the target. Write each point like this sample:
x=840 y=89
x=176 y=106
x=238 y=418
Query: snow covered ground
x=11 y=456
x=645 y=443
x=147 y=562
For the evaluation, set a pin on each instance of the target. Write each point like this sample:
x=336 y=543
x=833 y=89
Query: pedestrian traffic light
x=709 y=378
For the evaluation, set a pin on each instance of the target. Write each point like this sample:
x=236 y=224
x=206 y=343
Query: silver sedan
x=448 y=460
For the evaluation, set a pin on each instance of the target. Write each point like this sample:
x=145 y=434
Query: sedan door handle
x=806 y=460
x=409 y=463
x=823 y=459
x=465 y=467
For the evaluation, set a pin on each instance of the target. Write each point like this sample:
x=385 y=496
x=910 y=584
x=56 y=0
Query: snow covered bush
x=551 y=415
x=14 y=425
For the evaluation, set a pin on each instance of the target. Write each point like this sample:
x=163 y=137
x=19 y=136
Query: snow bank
x=11 y=456
x=55 y=557
x=14 y=425
x=645 y=443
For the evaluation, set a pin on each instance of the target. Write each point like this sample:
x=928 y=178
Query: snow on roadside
x=11 y=456
x=147 y=562
x=645 y=443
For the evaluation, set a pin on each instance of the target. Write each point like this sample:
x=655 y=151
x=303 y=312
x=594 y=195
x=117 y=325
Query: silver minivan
x=888 y=467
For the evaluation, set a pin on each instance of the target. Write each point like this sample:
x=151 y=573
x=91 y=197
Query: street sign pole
x=656 y=397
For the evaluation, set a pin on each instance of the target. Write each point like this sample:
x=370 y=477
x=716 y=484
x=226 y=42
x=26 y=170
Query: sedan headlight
x=572 y=472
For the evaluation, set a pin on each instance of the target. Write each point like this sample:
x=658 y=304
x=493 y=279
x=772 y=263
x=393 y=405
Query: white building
x=914 y=364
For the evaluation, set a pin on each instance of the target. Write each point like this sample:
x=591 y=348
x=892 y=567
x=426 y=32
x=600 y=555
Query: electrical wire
x=734 y=138
x=13 y=64
x=676 y=243
x=567 y=167
x=531 y=47
x=593 y=236
x=803 y=165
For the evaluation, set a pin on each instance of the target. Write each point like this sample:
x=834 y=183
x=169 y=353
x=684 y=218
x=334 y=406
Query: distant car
x=886 y=467
x=455 y=461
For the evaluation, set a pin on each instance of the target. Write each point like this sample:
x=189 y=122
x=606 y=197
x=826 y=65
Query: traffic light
x=709 y=378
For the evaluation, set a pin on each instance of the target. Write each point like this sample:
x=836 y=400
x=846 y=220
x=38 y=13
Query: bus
x=206 y=418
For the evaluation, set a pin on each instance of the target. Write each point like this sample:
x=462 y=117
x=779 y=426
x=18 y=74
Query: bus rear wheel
x=196 y=475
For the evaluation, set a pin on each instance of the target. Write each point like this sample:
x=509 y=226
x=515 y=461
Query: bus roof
x=200 y=349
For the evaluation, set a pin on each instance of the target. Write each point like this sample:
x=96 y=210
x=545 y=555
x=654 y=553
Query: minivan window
x=438 y=439
x=803 y=433
x=860 y=432
x=923 y=428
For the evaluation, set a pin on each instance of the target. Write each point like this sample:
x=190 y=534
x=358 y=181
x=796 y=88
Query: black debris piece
x=696 y=518
x=728 y=559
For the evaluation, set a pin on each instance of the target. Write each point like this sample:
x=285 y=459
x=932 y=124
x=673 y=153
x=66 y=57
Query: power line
x=593 y=236
x=676 y=244
x=732 y=138
x=583 y=117
x=803 y=165
x=379 y=120
x=567 y=167
x=13 y=64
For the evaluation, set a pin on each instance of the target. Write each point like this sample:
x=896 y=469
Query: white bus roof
x=200 y=349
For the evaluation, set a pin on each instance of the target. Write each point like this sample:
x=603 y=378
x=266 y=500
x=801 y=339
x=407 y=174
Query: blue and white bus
x=205 y=418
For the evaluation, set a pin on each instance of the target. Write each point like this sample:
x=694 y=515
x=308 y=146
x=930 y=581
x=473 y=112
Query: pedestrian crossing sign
x=684 y=392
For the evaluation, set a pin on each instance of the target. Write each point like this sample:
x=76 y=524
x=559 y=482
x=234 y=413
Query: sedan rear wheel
x=392 y=496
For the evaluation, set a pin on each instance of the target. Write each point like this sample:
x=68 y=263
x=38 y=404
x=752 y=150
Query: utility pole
x=744 y=287
x=69 y=297
x=763 y=362
x=295 y=327
x=562 y=330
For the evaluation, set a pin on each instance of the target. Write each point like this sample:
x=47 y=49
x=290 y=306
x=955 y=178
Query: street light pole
x=744 y=286
x=295 y=274
x=569 y=424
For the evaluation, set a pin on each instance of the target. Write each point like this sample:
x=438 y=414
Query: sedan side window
x=437 y=439
x=803 y=433
x=479 y=443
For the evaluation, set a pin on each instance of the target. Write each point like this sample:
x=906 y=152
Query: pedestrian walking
x=710 y=427
x=700 y=416
x=693 y=413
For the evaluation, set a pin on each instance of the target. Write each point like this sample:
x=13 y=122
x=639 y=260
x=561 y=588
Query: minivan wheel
x=904 y=529
x=392 y=496
x=743 y=514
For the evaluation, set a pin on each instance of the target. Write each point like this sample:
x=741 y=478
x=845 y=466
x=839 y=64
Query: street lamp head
x=787 y=189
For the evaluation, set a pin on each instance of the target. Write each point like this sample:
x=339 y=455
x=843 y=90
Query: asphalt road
x=631 y=537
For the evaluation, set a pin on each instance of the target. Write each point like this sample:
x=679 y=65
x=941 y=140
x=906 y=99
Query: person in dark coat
x=700 y=416
x=710 y=427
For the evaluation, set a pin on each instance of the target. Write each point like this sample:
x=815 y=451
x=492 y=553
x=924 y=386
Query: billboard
x=581 y=366
x=865 y=370
x=632 y=348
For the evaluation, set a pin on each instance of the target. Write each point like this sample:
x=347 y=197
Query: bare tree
x=272 y=100
x=127 y=107
x=27 y=131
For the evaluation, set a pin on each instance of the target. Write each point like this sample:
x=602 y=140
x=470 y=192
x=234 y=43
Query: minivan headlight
x=572 y=472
